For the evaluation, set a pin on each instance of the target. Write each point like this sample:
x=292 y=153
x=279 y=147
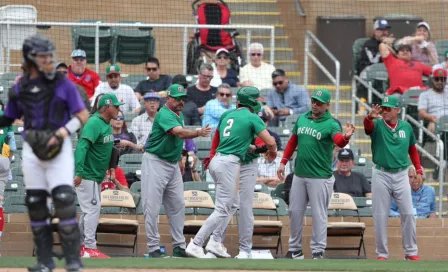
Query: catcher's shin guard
x=65 y=210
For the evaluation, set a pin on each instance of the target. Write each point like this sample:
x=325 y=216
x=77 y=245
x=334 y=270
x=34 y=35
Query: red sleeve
x=119 y=175
x=259 y=142
x=215 y=143
x=415 y=158
x=289 y=149
x=369 y=125
x=426 y=70
x=340 y=140
x=389 y=60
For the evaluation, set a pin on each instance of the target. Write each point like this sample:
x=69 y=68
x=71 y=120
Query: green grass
x=232 y=264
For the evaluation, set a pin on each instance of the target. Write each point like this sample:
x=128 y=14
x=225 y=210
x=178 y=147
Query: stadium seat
x=133 y=80
x=343 y=202
x=282 y=207
x=378 y=74
x=130 y=163
x=198 y=200
x=264 y=93
x=442 y=124
x=356 y=49
x=120 y=199
x=263 y=204
x=133 y=46
x=283 y=132
x=279 y=191
x=262 y=188
x=15 y=204
x=291 y=120
x=84 y=38
x=441 y=46
x=365 y=169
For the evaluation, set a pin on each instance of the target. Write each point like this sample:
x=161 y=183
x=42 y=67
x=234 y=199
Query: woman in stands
x=128 y=142
x=223 y=74
x=423 y=50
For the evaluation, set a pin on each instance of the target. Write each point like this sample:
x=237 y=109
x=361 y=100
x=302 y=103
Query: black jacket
x=369 y=54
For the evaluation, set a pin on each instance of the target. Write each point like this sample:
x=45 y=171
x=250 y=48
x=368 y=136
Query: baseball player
x=392 y=139
x=161 y=177
x=46 y=100
x=93 y=157
x=314 y=135
x=237 y=129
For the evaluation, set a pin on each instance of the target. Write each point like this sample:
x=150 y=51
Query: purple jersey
x=65 y=102
x=189 y=145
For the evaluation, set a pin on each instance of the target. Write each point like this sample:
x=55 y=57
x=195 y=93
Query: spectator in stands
x=123 y=92
x=423 y=198
x=423 y=50
x=181 y=80
x=347 y=181
x=155 y=82
x=63 y=68
x=444 y=64
x=120 y=178
x=433 y=103
x=266 y=116
x=267 y=171
x=142 y=125
x=95 y=104
x=257 y=73
x=80 y=75
x=190 y=163
x=287 y=98
x=222 y=72
x=404 y=73
x=216 y=107
x=128 y=142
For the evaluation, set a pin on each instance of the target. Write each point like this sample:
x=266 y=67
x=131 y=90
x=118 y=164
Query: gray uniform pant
x=318 y=193
x=225 y=171
x=385 y=186
x=162 y=183
x=4 y=172
x=87 y=191
x=243 y=201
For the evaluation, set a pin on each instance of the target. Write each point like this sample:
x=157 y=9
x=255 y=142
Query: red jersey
x=404 y=75
x=89 y=80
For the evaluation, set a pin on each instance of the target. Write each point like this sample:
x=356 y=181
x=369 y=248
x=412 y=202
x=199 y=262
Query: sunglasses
x=151 y=69
x=120 y=118
x=64 y=72
x=207 y=77
x=255 y=55
x=386 y=109
x=179 y=98
x=317 y=102
x=277 y=83
x=441 y=79
x=222 y=57
x=225 y=94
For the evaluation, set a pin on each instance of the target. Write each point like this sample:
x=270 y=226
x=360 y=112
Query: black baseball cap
x=345 y=154
x=180 y=79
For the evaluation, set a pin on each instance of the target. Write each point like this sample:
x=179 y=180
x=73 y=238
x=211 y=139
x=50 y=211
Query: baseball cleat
x=41 y=268
x=381 y=259
x=297 y=255
x=243 y=255
x=217 y=248
x=318 y=255
x=179 y=252
x=412 y=258
x=194 y=250
x=209 y=255
x=157 y=254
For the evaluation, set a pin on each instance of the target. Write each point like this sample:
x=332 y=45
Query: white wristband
x=73 y=125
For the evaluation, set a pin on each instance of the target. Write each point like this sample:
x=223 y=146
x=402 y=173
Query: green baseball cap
x=323 y=95
x=390 y=102
x=176 y=90
x=446 y=54
x=109 y=99
x=112 y=69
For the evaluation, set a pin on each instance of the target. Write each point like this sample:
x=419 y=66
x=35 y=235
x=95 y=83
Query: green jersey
x=237 y=129
x=161 y=142
x=94 y=149
x=390 y=146
x=250 y=156
x=4 y=135
x=315 y=145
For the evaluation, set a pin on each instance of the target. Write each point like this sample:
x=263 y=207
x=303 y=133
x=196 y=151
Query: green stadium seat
x=282 y=207
x=362 y=202
x=130 y=162
x=133 y=80
x=199 y=186
x=279 y=191
x=264 y=93
x=378 y=73
x=441 y=46
x=442 y=124
x=291 y=120
x=356 y=49
x=136 y=187
x=15 y=204
x=366 y=169
x=262 y=188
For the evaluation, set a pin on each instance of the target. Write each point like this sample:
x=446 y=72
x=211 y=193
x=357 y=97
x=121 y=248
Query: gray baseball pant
x=87 y=191
x=318 y=193
x=385 y=186
x=162 y=183
x=225 y=171
x=4 y=172
x=244 y=201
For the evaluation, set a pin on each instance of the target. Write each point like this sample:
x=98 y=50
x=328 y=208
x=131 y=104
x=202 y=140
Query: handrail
x=439 y=143
x=300 y=9
x=309 y=37
x=98 y=24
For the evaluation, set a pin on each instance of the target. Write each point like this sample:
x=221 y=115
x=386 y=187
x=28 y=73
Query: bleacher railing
x=440 y=162
x=309 y=38
x=185 y=27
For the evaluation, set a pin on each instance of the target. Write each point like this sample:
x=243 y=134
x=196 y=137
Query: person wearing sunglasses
x=286 y=98
x=392 y=143
x=256 y=73
x=314 y=136
x=161 y=178
x=155 y=81
x=78 y=73
x=128 y=142
x=216 y=107
x=62 y=68
x=222 y=72
x=202 y=92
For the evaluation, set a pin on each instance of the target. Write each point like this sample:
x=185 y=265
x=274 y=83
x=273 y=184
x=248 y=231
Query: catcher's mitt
x=38 y=140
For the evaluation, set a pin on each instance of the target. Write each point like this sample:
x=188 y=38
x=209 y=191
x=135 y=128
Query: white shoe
x=243 y=255
x=210 y=255
x=194 y=250
x=217 y=248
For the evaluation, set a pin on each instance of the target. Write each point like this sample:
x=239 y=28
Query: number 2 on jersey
x=226 y=132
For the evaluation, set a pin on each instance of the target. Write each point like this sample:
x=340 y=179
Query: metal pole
x=353 y=100
x=305 y=62
x=184 y=51
x=248 y=37
x=441 y=178
x=272 y=45
x=338 y=74
x=8 y=51
x=97 y=47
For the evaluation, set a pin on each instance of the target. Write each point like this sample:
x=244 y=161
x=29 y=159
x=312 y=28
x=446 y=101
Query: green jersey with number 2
x=236 y=131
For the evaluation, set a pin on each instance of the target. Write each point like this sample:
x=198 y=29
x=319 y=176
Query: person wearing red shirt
x=119 y=176
x=80 y=75
x=403 y=73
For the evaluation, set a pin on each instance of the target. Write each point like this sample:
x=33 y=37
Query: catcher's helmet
x=248 y=96
x=36 y=45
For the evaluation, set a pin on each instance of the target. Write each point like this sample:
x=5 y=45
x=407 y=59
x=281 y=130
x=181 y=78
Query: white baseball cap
x=222 y=50
x=425 y=24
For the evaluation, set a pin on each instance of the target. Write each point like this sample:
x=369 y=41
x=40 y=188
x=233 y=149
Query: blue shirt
x=424 y=201
x=231 y=78
x=213 y=111
x=295 y=98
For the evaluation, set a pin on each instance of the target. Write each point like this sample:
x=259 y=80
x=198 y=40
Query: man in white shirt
x=142 y=125
x=257 y=73
x=267 y=173
x=124 y=93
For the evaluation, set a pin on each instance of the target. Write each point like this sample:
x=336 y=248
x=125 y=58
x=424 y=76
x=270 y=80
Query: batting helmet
x=248 y=96
x=38 y=45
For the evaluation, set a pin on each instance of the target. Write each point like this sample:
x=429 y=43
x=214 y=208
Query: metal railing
x=300 y=9
x=439 y=143
x=309 y=38
x=97 y=25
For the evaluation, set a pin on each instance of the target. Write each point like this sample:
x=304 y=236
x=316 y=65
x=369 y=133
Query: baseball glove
x=38 y=140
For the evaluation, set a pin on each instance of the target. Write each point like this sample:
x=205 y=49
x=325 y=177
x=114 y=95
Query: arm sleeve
x=74 y=99
x=12 y=141
x=12 y=108
x=258 y=124
x=90 y=132
x=169 y=122
x=133 y=138
x=415 y=158
x=427 y=70
x=215 y=143
x=290 y=148
x=340 y=140
x=119 y=175
x=80 y=155
x=369 y=125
